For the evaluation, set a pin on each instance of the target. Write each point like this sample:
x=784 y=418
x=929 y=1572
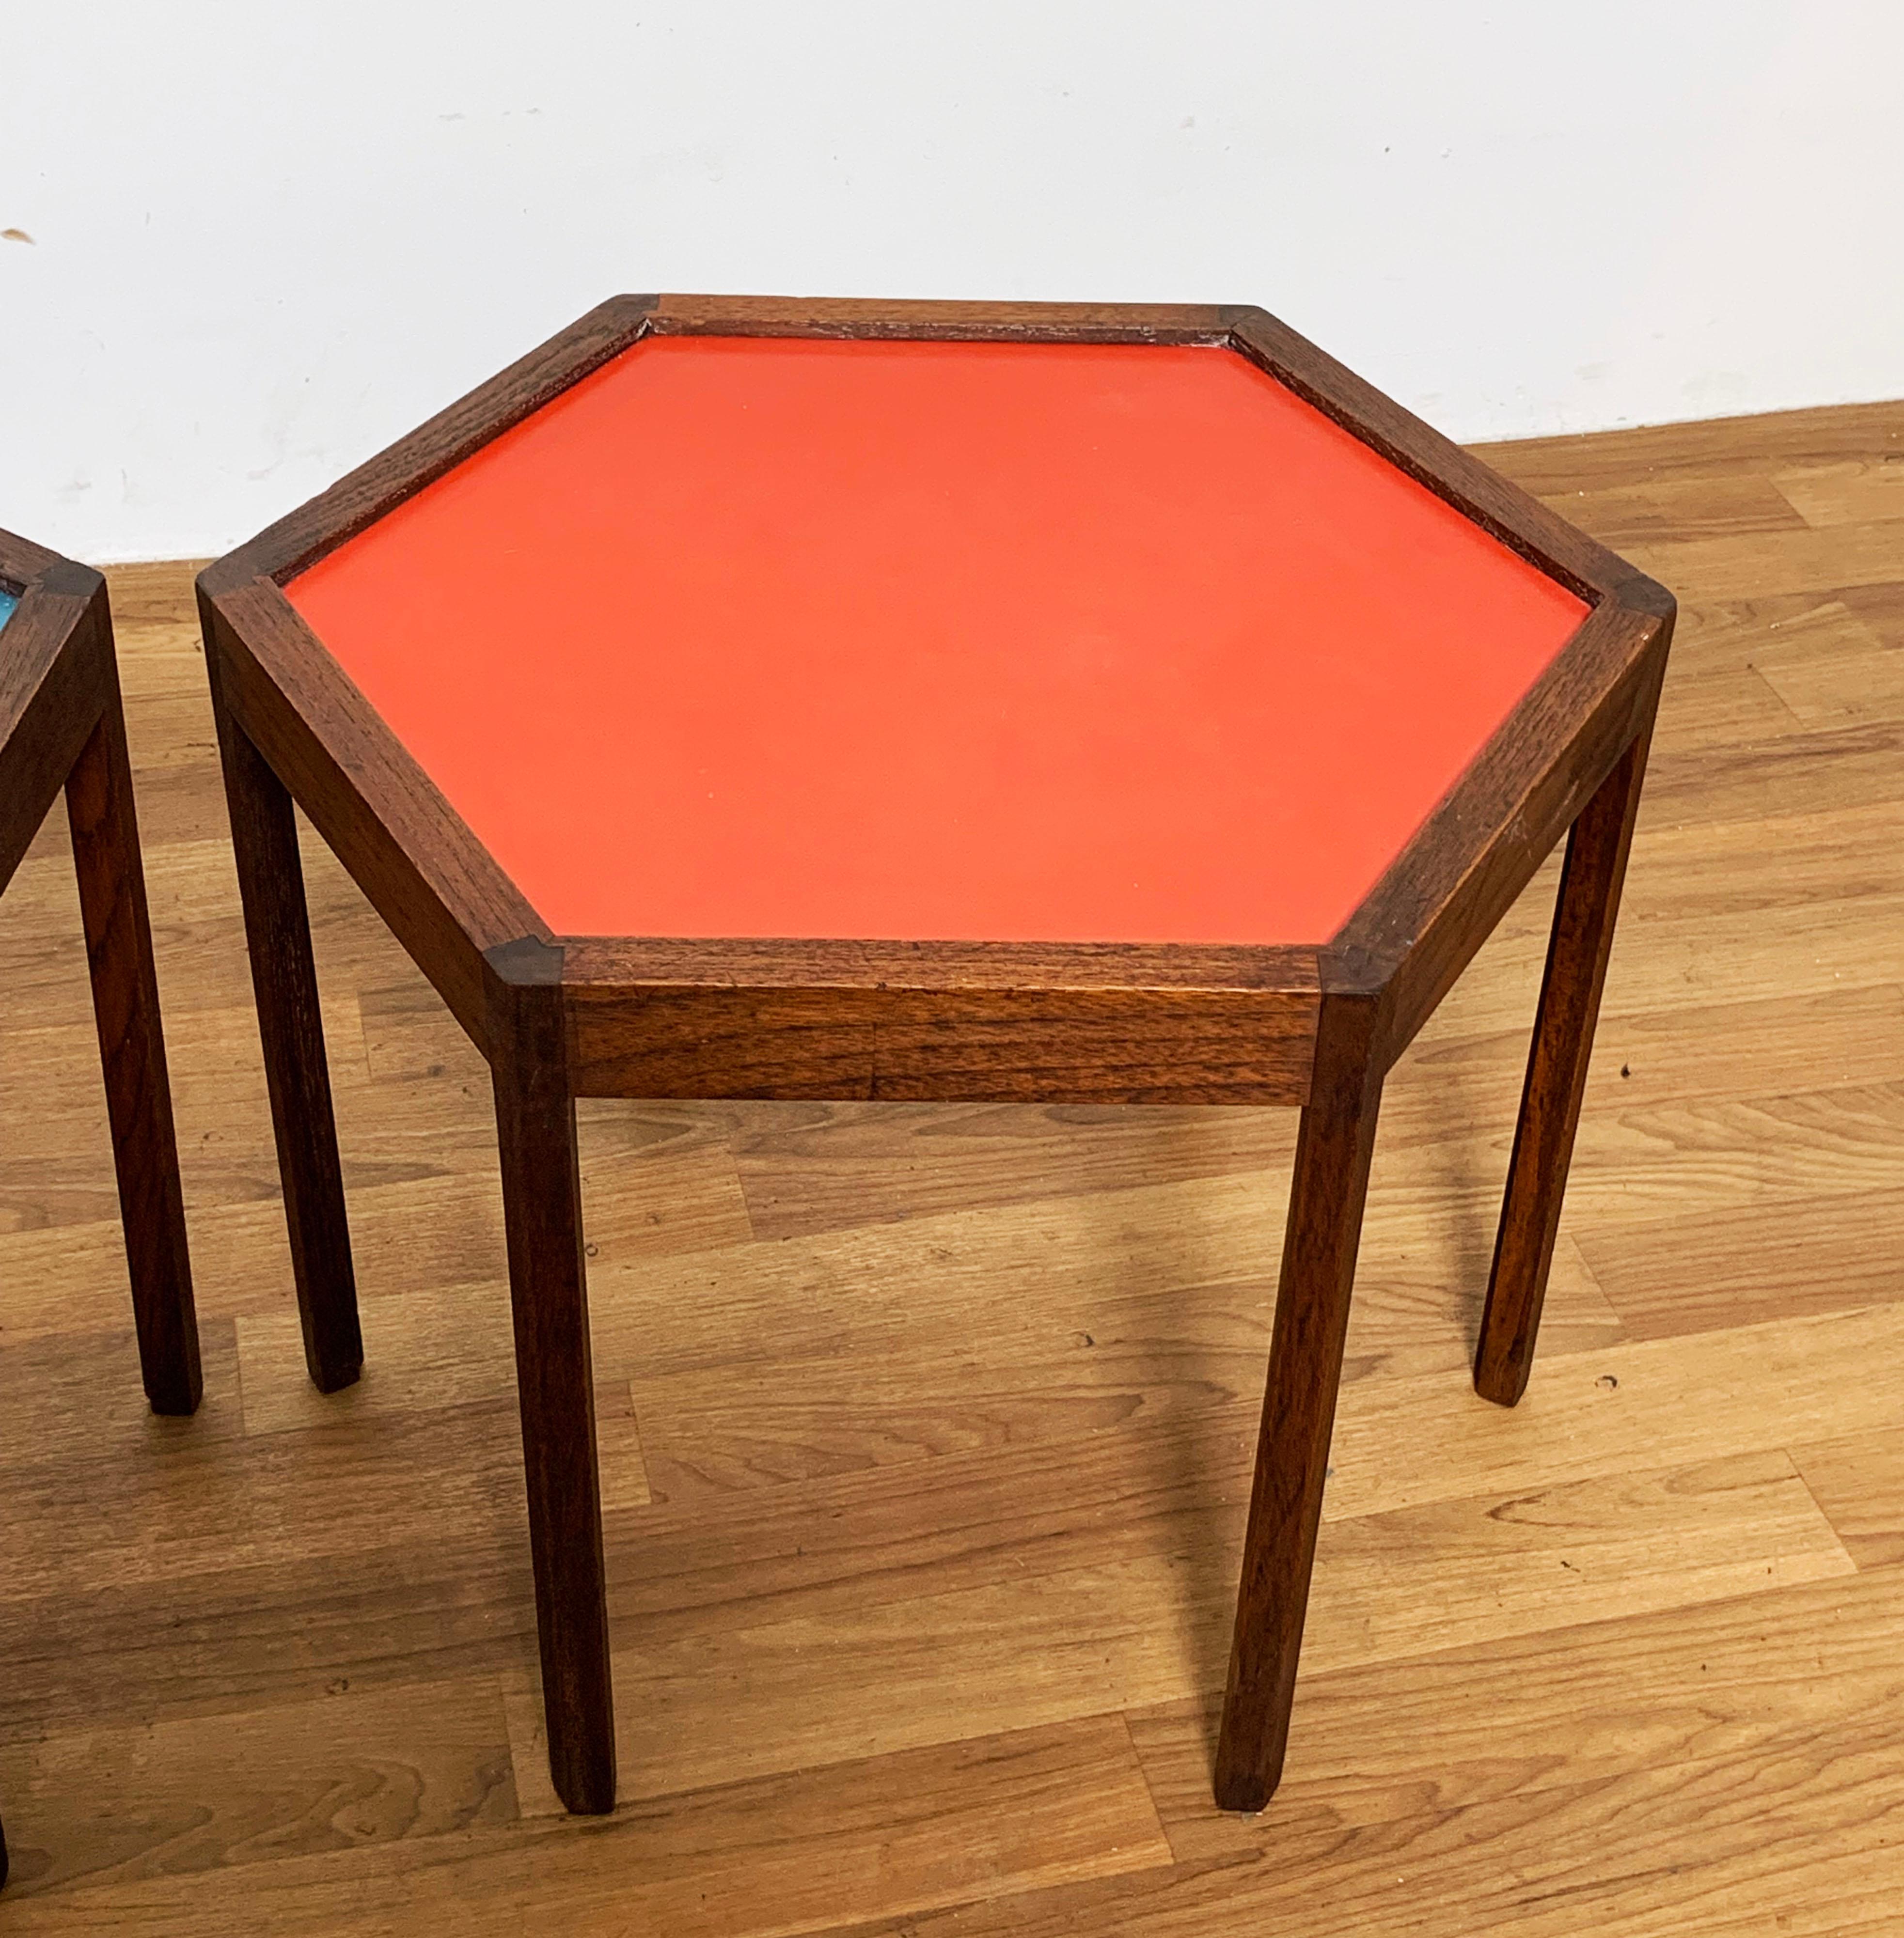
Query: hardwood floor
x=926 y=1432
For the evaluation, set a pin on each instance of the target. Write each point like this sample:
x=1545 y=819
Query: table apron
x=977 y=1045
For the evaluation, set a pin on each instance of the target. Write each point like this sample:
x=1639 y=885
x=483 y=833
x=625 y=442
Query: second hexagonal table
x=762 y=699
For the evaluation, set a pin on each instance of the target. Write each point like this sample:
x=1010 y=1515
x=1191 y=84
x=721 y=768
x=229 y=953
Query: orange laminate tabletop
x=1018 y=642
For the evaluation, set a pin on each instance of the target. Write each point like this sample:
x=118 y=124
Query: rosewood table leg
x=1582 y=940
x=542 y=1214
x=132 y=1053
x=284 y=981
x=1292 y=1449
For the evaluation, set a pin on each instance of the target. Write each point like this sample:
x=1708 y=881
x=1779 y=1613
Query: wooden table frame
x=559 y=1017
x=62 y=726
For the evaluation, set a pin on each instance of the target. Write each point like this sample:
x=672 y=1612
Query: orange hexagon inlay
x=1019 y=642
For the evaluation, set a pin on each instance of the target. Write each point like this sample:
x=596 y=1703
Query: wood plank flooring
x=926 y=1432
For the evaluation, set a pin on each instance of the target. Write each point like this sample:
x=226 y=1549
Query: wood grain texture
x=542 y=1215
x=1588 y=904
x=104 y=829
x=1737 y=1679
x=1034 y=1044
x=98 y=1823
x=1087 y=1590
x=945 y=1022
x=1717 y=451
x=1832 y=668
x=1750 y=1387
x=1859 y=1482
x=900 y=1834
x=290 y=1026
x=1859 y=491
x=1742 y=1730
x=1597 y=1661
x=1635 y=514
x=1813 y=559
x=1324 y=1235
x=958 y=322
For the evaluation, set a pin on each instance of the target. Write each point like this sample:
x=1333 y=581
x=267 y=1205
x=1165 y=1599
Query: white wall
x=266 y=238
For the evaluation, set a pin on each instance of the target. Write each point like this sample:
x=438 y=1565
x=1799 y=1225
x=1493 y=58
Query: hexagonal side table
x=62 y=725
x=774 y=699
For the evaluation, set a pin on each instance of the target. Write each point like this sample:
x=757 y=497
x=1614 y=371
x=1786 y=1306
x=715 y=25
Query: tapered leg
x=133 y=1052
x=1327 y=1195
x=541 y=1213
x=1582 y=940
x=284 y=982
